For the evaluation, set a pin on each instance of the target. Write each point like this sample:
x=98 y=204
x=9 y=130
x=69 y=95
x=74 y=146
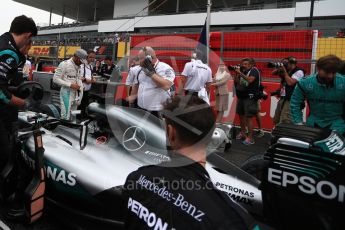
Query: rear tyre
x=255 y=166
x=51 y=110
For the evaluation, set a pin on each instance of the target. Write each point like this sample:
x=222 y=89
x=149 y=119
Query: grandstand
x=103 y=24
x=186 y=16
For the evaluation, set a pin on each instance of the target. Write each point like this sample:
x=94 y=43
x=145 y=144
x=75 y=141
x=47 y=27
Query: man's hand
x=148 y=72
x=131 y=98
x=282 y=67
x=148 y=67
x=75 y=86
x=238 y=69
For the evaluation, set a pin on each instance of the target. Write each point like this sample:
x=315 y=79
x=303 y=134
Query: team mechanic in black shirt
x=21 y=31
x=179 y=194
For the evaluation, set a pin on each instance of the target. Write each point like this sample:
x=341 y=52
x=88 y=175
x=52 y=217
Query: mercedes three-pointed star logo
x=134 y=138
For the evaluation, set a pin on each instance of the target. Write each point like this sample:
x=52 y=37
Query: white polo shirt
x=197 y=74
x=88 y=75
x=132 y=74
x=150 y=96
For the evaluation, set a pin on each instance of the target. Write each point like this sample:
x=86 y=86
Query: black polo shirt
x=10 y=60
x=170 y=197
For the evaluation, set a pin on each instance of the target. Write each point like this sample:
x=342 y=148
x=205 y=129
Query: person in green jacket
x=325 y=94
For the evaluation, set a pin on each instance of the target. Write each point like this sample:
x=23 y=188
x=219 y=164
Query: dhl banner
x=123 y=49
x=50 y=51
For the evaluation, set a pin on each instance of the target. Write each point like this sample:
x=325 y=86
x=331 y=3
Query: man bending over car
x=325 y=93
x=157 y=196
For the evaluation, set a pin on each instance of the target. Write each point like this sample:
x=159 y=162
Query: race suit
x=326 y=103
x=10 y=60
x=66 y=74
x=170 y=197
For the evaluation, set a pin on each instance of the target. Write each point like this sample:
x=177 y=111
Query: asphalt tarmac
x=237 y=154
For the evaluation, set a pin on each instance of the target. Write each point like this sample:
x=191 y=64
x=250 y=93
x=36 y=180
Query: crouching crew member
x=179 y=194
x=325 y=93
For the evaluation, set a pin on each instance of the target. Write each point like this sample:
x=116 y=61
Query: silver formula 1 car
x=79 y=169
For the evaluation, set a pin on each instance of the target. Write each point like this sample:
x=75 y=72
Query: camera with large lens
x=276 y=65
x=234 y=67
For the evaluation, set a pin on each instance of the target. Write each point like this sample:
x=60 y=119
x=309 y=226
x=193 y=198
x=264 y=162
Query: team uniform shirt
x=155 y=201
x=10 y=61
x=197 y=74
x=132 y=75
x=150 y=96
x=86 y=71
x=299 y=75
x=66 y=74
x=326 y=104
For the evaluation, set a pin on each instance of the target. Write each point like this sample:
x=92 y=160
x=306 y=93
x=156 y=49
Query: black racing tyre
x=51 y=110
x=227 y=146
x=255 y=166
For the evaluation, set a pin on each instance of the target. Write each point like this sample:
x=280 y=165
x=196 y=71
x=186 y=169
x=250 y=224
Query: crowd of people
x=79 y=40
x=150 y=83
x=188 y=118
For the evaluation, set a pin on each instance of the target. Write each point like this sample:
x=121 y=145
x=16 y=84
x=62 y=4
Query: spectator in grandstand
x=133 y=73
x=152 y=87
x=108 y=67
x=222 y=93
x=325 y=93
x=97 y=68
x=247 y=81
x=87 y=79
x=196 y=78
x=290 y=74
x=159 y=191
x=67 y=76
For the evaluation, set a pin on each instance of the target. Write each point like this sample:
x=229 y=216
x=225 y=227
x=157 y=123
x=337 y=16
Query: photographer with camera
x=290 y=74
x=247 y=83
x=152 y=86
x=325 y=93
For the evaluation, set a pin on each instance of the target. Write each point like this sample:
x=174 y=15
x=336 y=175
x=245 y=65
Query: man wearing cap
x=67 y=76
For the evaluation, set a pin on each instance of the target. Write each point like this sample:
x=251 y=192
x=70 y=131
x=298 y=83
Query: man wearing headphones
x=152 y=86
x=291 y=74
